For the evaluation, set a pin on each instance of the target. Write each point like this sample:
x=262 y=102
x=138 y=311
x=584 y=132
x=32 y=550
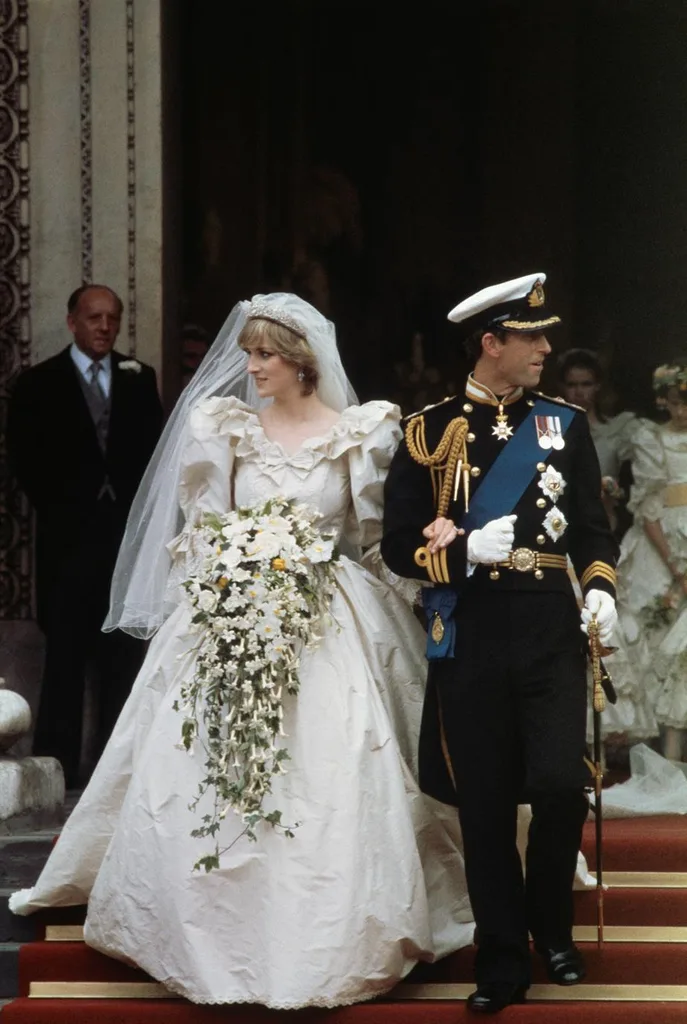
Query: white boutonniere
x=552 y=483
x=131 y=365
x=555 y=523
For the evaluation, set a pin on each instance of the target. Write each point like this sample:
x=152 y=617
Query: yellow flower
x=222 y=582
x=278 y=564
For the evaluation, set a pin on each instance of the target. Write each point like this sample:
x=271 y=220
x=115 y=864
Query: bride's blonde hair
x=286 y=343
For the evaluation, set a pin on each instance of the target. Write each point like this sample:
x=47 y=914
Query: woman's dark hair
x=580 y=359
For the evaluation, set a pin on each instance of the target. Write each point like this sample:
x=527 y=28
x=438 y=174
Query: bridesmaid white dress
x=659 y=494
x=373 y=880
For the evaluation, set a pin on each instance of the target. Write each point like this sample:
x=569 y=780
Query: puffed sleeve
x=207 y=464
x=623 y=428
x=380 y=432
x=648 y=472
x=378 y=428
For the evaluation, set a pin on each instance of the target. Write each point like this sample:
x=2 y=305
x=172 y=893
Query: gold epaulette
x=559 y=400
x=446 y=463
x=434 y=405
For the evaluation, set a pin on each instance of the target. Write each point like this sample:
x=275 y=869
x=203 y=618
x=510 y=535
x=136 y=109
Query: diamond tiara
x=261 y=311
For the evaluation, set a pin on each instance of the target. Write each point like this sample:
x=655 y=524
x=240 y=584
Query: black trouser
x=73 y=609
x=513 y=707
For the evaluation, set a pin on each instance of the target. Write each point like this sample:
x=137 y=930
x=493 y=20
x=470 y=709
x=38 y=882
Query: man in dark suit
x=81 y=429
x=487 y=496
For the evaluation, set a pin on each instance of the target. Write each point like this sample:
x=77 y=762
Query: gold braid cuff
x=435 y=565
x=448 y=459
x=601 y=569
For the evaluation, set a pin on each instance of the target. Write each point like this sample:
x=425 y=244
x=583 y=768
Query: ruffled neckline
x=237 y=420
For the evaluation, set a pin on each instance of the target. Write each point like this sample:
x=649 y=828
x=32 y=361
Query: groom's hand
x=493 y=543
x=441 y=533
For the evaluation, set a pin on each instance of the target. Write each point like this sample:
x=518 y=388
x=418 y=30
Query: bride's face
x=274 y=376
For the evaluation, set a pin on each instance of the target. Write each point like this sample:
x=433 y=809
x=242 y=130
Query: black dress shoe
x=563 y=966
x=491 y=998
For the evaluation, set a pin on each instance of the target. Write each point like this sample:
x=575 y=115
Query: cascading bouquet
x=261 y=592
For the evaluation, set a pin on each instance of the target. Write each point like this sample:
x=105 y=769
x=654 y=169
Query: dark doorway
x=384 y=161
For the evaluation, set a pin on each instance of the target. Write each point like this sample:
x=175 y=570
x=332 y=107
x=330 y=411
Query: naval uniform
x=504 y=717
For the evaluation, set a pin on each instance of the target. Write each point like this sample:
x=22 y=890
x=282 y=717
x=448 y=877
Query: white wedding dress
x=373 y=880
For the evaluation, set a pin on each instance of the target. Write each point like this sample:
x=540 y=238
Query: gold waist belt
x=526 y=560
x=675 y=495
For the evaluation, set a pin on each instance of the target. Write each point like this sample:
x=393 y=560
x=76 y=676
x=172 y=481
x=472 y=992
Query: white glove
x=601 y=604
x=493 y=543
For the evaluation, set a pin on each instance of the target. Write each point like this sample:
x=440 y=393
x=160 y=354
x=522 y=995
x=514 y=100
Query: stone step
x=22 y=858
x=9 y=970
x=14 y=928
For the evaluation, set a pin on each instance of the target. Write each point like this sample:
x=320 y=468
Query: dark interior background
x=385 y=161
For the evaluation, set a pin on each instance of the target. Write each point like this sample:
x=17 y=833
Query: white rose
x=132 y=365
x=207 y=601
x=230 y=558
x=266 y=545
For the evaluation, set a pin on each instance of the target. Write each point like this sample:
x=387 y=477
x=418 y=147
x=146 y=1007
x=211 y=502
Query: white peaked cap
x=517 y=305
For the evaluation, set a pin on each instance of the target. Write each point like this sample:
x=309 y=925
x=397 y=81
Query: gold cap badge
x=536 y=296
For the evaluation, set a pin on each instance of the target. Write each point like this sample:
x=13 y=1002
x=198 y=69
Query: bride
x=372 y=880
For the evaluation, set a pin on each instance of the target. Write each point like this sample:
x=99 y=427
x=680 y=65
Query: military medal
x=549 y=432
x=437 y=631
x=502 y=430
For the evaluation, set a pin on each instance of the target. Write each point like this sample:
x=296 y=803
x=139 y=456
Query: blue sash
x=511 y=473
x=500 y=491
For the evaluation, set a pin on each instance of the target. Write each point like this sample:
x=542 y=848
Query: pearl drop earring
x=301 y=376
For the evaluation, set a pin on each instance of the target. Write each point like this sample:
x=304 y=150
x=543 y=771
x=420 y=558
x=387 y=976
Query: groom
x=487 y=495
x=81 y=429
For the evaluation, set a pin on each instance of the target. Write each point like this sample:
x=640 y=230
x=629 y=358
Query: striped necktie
x=99 y=404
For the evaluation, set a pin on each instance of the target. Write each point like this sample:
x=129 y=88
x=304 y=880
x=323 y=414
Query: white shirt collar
x=83 y=364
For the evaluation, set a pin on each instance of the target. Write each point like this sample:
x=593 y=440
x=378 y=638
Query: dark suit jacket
x=54 y=453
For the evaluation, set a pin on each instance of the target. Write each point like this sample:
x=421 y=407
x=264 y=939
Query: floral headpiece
x=669 y=376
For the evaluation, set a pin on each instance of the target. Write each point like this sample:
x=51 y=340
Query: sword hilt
x=599 y=697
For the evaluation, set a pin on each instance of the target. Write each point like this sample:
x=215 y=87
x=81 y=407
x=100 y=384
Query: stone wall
x=80 y=200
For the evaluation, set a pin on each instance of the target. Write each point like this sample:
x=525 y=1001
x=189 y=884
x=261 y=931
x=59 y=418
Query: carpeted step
x=667 y=907
x=622 y=906
x=640 y=844
x=645 y=963
x=641 y=963
x=70 y=961
x=90 y=1011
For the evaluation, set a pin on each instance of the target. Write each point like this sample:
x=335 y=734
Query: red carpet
x=100 y=1011
x=641 y=845
x=666 y=907
x=616 y=964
